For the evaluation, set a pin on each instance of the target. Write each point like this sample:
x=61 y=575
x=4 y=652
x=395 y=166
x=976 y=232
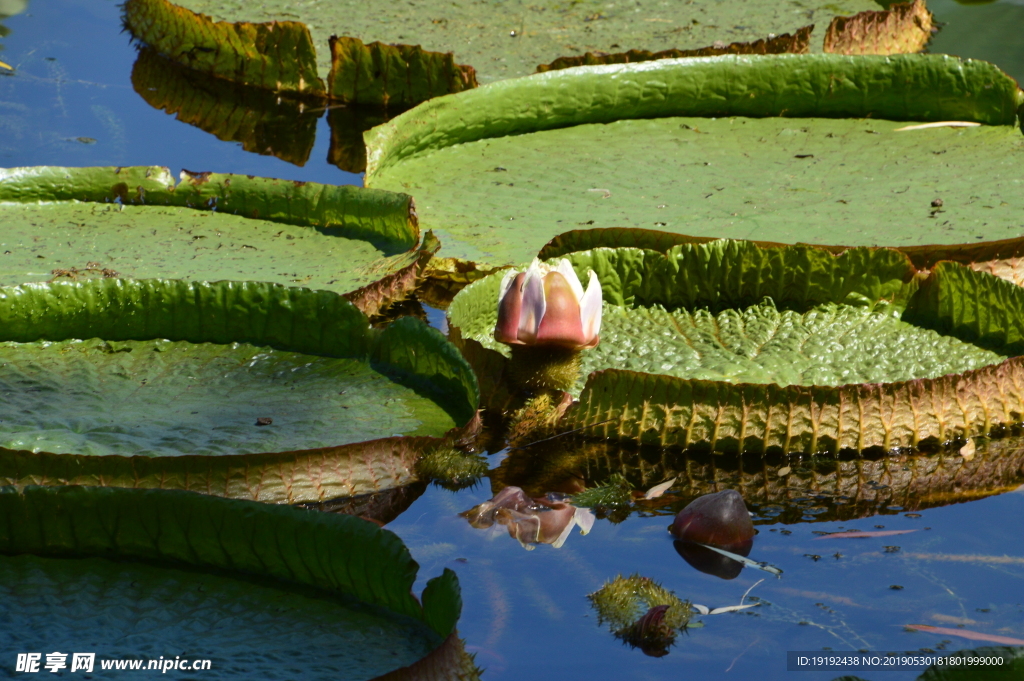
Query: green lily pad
x=137 y=222
x=541 y=155
x=507 y=40
x=133 y=574
x=240 y=389
x=735 y=346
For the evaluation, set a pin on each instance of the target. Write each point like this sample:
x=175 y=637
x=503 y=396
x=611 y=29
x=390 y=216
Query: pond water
x=959 y=563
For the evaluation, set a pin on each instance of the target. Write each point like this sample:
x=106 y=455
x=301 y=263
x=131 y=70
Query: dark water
x=72 y=101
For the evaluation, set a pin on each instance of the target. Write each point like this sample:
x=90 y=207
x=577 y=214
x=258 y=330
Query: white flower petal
x=731 y=608
x=565 y=533
x=565 y=269
x=702 y=609
x=590 y=308
x=585 y=519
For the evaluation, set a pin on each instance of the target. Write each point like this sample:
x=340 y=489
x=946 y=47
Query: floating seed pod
x=720 y=519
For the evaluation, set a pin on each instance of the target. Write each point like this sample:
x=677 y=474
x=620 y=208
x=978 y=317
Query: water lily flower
x=530 y=521
x=547 y=305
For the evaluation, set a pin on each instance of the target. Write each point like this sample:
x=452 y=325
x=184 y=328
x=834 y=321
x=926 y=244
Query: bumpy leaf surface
x=737 y=379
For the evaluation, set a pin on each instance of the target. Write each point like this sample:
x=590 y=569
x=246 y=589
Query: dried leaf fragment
x=857 y=535
x=903 y=28
x=396 y=75
x=968 y=450
x=658 y=490
x=799 y=42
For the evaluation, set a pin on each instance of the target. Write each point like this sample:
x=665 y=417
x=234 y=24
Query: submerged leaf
x=967 y=633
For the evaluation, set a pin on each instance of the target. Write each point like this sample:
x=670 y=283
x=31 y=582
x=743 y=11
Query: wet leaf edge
x=897 y=87
x=385 y=219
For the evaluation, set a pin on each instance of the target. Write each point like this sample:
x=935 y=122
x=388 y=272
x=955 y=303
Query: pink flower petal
x=561 y=324
x=534 y=305
x=565 y=269
x=510 y=307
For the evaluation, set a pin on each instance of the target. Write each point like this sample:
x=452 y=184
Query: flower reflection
x=547 y=520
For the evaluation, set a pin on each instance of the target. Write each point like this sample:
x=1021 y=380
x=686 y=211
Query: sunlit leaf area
x=493 y=339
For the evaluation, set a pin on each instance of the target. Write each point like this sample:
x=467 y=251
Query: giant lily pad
x=137 y=222
x=140 y=574
x=734 y=346
x=500 y=39
x=785 y=148
x=239 y=389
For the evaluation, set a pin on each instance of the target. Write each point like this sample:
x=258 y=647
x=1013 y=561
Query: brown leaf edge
x=393 y=75
x=799 y=42
x=1003 y=258
x=742 y=417
x=905 y=27
x=373 y=298
x=447 y=662
x=277 y=55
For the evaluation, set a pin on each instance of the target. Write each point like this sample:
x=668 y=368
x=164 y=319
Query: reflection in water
x=711 y=562
x=8 y=8
x=547 y=520
x=780 y=489
x=263 y=122
x=641 y=613
x=379 y=507
x=348 y=123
